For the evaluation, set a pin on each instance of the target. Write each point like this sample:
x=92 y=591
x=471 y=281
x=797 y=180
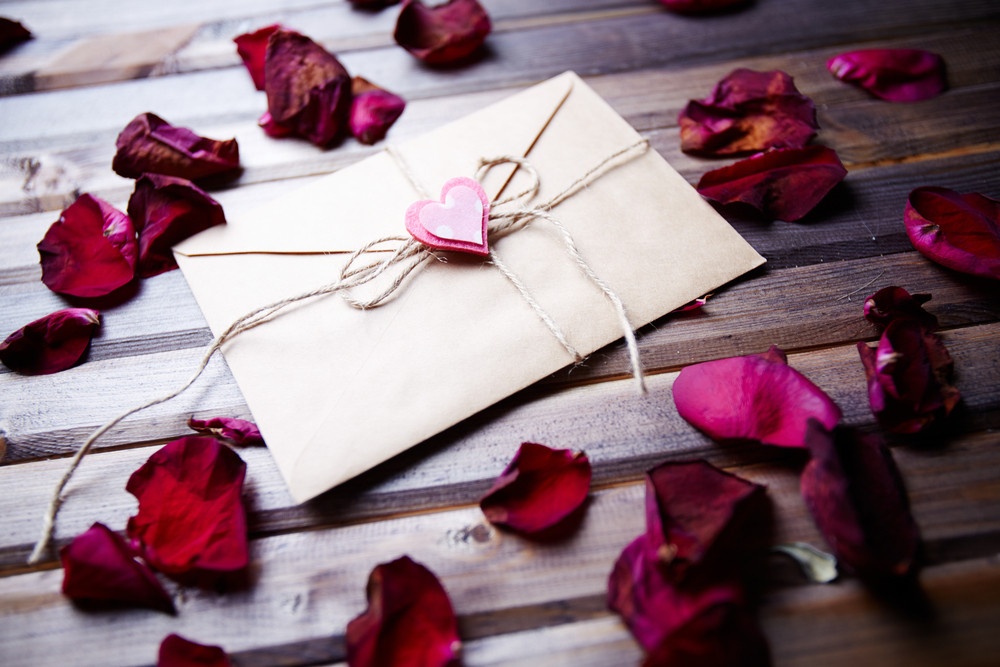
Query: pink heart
x=457 y=222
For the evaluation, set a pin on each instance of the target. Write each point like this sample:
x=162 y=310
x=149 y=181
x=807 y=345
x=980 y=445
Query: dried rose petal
x=373 y=111
x=909 y=375
x=891 y=303
x=50 y=344
x=176 y=651
x=756 y=397
x=191 y=518
x=444 y=33
x=90 y=251
x=166 y=210
x=237 y=431
x=308 y=90
x=856 y=497
x=12 y=33
x=783 y=184
x=252 y=46
x=701 y=6
x=960 y=231
x=723 y=635
x=409 y=621
x=149 y=144
x=748 y=112
x=539 y=488
x=99 y=567
x=894 y=75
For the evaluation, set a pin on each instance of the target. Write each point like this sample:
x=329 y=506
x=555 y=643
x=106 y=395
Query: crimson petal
x=539 y=488
x=191 y=519
x=149 y=144
x=166 y=210
x=50 y=344
x=783 y=184
x=176 y=651
x=252 y=47
x=702 y=6
x=747 y=112
x=90 y=251
x=409 y=621
x=722 y=635
x=12 y=33
x=756 y=397
x=892 y=303
x=894 y=75
x=444 y=33
x=373 y=110
x=99 y=567
x=960 y=231
x=237 y=431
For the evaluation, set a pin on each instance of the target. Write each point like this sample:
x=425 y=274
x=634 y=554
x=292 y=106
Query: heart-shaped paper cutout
x=457 y=222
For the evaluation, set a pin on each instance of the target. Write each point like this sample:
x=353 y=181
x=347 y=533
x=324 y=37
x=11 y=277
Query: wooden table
x=94 y=65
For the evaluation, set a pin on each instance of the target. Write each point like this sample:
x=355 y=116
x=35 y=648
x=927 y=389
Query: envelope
x=336 y=390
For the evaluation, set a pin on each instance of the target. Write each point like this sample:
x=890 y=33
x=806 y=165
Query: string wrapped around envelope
x=434 y=226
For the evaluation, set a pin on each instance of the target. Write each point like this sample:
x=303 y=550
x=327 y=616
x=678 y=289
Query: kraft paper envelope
x=336 y=390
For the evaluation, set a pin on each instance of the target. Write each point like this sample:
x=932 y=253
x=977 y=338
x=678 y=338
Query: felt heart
x=457 y=222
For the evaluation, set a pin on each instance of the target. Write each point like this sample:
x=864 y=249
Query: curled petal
x=702 y=6
x=50 y=344
x=99 y=567
x=894 y=75
x=443 y=33
x=167 y=210
x=191 y=519
x=12 y=33
x=856 y=497
x=754 y=397
x=151 y=145
x=539 y=488
x=960 y=231
x=892 y=303
x=373 y=111
x=90 y=251
x=237 y=431
x=251 y=47
x=409 y=621
x=748 y=112
x=721 y=635
x=783 y=184
x=176 y=651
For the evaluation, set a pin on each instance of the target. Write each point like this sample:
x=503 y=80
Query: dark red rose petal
x=176 y=651
x=90 y=251
x=252 y=47
x=151 y=145
x=892 y=303
x=724 y=635
x=960 y=231
x=783 y=184
x=12 y=33
x=856 y=497
x=409 y=621
x=539 y=488
x=701 y=6
x=443 y=33
x=748 y=112
x=373 y=111
x=191 y=518
x=895 y=75
x=754 y=397
x=167 y=210
x=237 y=431
x=99 y=567
x=50 y=344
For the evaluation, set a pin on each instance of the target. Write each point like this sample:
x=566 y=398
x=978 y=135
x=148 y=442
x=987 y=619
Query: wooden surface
x=96 y=63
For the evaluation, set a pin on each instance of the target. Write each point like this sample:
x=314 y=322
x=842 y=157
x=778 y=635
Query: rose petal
x=723 y=635
x=90 y=251
x=960 y=231
x=176 y=651
x=167 y=210
x=50 y=344
x=783 y=184
x=891 y=303
x=308 y=90
x=444 y=33
x=251 y=47
x=895 y=75
x=373 y=111
x=702 y=6
x=237 y=431
x=191 y=518
x=149 y=144
x=856 y=497
x=539 y=488
x=754 y=397
x=409 y=621
x=748 y=112
x=909 y=375
x=99 y=567
x=12 y=33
